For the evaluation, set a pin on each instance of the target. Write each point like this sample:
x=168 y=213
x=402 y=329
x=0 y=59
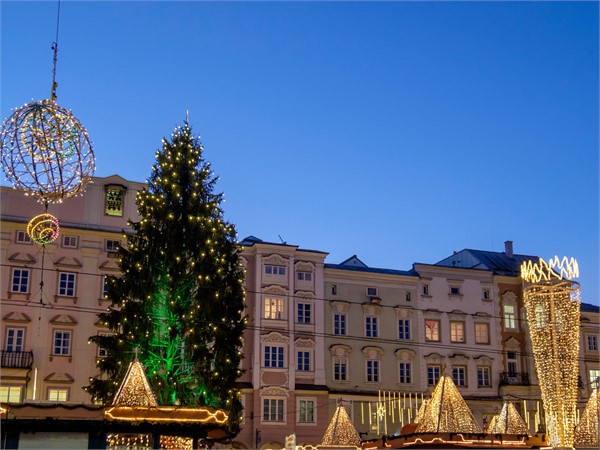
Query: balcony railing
x=16 y=360
x=514 y=379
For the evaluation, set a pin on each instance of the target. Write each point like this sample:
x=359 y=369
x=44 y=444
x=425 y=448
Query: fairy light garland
x=43 y=229
x=341 y=431
x=552 y=303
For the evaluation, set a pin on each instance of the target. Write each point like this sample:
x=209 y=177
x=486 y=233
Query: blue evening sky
x=396 y=131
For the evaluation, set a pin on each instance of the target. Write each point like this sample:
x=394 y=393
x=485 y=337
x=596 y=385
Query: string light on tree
x=43 y=229
x=552 y=304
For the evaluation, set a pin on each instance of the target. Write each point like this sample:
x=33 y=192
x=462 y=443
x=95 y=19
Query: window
x=70 y=241
x=62 y=342
x=340 y=369
x=274 y=308
x=58 y=394
x=303 y=313
x=273 y=356
x=113 y=202
x=509 y=317
x=482 y=333
x=432 y=330
x=334 y=289
x=20 y=280
x=404 y=329
x=407 y=297
x=404 y=373
x=22 y=237
x=10 y=394
x=372 y=291
x=304 y=276
x=594 y=378
x=511 y=364
x=372 y=370
x=274 y=270
x=457 y=331
x=272 y=410
x=304 y=361
x=112 y=245
x=371 y=327
x=433 y=375
x=15 y=339
x=66 y=284
x=425 y=289
x=592 y=342
x=106 y=280
x=486 y=294
x=459 y=375
x=339 y=324
x=102 y=352
x=306 y=411
x=483 y=376
x=454 y=290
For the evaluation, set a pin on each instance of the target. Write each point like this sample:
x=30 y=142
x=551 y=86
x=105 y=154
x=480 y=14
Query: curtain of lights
x=552 y=303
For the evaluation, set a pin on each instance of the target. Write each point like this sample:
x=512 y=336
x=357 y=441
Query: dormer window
x=114 y=200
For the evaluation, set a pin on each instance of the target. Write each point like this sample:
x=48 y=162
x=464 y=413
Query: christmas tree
x=180 y=299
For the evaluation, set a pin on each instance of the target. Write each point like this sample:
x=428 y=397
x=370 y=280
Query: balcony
x=16 y=360
x=514 y=379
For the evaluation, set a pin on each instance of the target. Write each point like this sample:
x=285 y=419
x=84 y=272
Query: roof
x=498 y=262
x=410 y=273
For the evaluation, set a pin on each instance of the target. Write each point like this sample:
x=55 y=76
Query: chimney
x=508 y=248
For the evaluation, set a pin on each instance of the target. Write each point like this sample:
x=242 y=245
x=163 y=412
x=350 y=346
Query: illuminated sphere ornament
x=46 y=152
x=552 y=301
x=43 y=229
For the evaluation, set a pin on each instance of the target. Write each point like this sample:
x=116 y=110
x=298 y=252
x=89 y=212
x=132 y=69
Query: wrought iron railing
x=514 y=379
x=16 y=360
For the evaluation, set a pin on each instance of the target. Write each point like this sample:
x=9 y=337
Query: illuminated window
x=61 y=342
x=304 y=315
x=273 y=356
x=274 y=308
x=22 y=237
x=483 y=376
x=592 y=342
x=457 y=331
x=304 y=276
x=372 y=370
x=20 y=281
x=482 y=333
x=594 y=378
x=70 y=241
x=404 y=329
x=340 y=369
x=114 y=199
x=66 y=284
x=371 y=327
x=509 y=317
x=459 y=375
x=433 y=374
x=339 y=324
x=272 y=410
x=306 y=411
x=58 y=394
x=15 y=339
x=10 y=394
x=275 y=270
x=432 y=330
x=304 y=361
x=404 y=373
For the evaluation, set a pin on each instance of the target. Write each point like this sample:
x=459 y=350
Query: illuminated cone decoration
x=586 y=433
x=552 y=302
x=341 y=431
x=135 y=389
x=446 y=411
x=509 y=421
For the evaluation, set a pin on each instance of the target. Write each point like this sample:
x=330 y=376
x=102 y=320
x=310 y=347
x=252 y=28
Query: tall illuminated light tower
x=552 y=301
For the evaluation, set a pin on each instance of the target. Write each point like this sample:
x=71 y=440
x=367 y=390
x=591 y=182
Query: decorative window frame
x=313 y=422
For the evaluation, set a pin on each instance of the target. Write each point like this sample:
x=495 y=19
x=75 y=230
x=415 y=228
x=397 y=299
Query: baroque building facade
x=373 y=339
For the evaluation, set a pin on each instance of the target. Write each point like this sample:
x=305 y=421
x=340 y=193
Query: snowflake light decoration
x=46 y=152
